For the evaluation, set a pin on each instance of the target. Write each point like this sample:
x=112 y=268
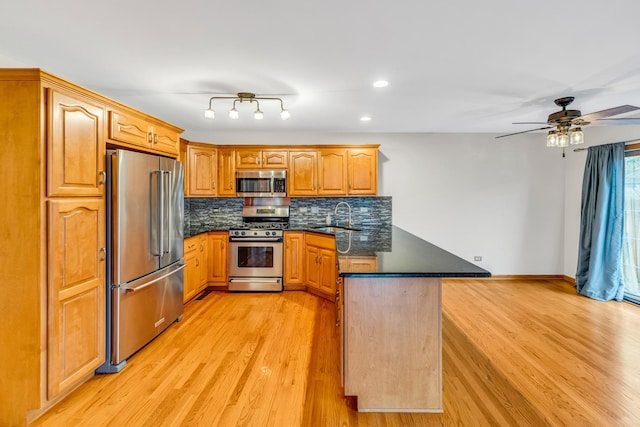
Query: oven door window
x=255 y=256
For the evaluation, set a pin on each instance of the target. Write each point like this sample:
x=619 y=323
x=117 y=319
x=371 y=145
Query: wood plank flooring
x=515 y=353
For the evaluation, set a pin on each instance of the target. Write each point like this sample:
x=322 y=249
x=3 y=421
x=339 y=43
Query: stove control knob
x=267 y=233
x=242 y=233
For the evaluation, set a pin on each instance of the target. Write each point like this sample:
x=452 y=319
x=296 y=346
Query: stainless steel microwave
x=261 y=183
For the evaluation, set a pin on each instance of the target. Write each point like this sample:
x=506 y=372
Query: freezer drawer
x=144 y=308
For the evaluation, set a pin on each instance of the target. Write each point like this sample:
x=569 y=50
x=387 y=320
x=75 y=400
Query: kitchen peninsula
x=390 y=318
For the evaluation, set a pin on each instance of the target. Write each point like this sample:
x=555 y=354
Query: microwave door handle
x=272 y=183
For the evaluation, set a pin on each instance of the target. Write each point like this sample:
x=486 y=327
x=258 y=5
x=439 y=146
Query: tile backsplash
x=203 y=214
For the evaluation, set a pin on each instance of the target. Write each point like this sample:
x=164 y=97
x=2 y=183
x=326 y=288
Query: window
x=631 y=239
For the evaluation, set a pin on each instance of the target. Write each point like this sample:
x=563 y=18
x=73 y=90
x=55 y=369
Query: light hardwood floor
x=515 y=353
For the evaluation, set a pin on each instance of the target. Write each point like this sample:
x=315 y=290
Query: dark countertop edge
x=442 y=275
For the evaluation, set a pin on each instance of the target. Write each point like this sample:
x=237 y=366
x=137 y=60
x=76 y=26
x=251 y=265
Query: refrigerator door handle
x=157 y=279
x=167 y=192
x=157 y=208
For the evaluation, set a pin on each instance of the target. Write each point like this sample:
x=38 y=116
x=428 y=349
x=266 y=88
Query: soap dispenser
x=328 y=219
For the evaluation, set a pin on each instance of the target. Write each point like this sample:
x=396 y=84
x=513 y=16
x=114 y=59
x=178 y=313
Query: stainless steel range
x=256 y=249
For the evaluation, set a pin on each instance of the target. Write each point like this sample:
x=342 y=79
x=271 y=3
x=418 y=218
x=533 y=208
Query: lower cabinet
x=358 y=264
x=294 y=260
x=320 y=262
x=217 y=261
x=192 y=269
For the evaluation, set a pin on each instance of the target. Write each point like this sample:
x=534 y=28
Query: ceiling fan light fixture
x=552 y=138
x=576 y=136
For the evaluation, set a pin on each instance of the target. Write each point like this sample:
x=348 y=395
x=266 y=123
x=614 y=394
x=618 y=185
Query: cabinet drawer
x=191 y=244
x=321 y=241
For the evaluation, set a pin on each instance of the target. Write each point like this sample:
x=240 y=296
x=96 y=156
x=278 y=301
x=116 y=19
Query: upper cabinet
x=75 y=146
x=261 y=159
x=312 y=170
x=201 y=170
x=140 y=132
x=334 y=172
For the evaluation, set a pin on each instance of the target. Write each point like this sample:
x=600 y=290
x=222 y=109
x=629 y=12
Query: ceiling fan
x=566 y=124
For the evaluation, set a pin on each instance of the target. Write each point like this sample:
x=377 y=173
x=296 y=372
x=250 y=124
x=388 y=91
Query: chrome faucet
x=335 y=212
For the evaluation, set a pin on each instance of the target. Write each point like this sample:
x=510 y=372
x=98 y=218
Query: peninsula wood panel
x=392 y=343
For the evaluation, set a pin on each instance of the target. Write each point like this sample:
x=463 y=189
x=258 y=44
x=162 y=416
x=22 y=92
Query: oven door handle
x=255 y=239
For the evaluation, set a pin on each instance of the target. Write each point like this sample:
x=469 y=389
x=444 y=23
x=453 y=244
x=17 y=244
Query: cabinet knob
x=103 y=254
x=197 y=262
x=149 y=137
x=155 y=138
x=213 y=185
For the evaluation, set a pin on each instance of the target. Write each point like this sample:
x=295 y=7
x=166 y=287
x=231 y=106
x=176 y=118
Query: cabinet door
x=203 y=255
x=218 y=257
x=248 y=159
x=303 y=173
x=76 y=146
x=274 y=159
x=226 y=173
x=311 y=269
x=191 y=275
x=165 y=140
x=76 y=288
x=362 y=170
x=293 y=258
x=332 y=172
x=202 y=171
x=328 y=273
x=130 y=129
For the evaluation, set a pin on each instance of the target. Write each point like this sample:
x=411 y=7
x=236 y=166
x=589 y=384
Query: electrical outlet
x=364 y=209
x=303 y=209
x=364 y=238
x=216 y=210
x=477 y=258
x=314 y=209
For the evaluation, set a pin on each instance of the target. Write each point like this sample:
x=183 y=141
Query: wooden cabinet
x=293 y=259
x=52 y=220
x=358 y=264
x=320 y=262
x=139 y=131
x=76 y=304
x=76 y=145
x=333 y=172
x=362 y=171
x=303 y=173
x=203 y=264
x=261 y=159
x=226 y=173
x=202 y=174
x=218 y=249
x=192 y=269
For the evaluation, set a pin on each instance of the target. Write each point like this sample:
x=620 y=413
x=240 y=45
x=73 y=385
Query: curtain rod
x=626 y=142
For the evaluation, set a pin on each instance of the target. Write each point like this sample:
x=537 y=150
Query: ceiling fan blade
x=529 y=123
x=524 y=131
x=608 y=113
x=622 y=121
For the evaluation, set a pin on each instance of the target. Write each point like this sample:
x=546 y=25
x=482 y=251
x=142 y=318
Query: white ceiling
x=453 y=66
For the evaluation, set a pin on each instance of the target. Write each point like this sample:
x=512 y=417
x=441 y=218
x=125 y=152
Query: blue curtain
x=599 y=273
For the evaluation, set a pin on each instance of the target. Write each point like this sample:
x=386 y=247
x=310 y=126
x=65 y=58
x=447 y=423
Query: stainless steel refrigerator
x=145 y=214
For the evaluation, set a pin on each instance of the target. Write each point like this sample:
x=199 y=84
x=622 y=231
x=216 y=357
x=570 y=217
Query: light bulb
x=577 y=137
x=233 y=114
x=209 y=114
x=284 y=114
x=552 y=139
x=563 y=140
x=258 y=115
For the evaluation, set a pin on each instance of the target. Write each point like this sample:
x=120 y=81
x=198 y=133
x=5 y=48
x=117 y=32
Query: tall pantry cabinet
x=53 y=137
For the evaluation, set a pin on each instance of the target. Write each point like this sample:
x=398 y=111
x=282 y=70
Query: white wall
x=467 y=193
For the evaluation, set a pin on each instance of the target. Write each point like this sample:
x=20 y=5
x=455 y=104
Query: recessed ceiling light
x=365 y=119
x=380 y=83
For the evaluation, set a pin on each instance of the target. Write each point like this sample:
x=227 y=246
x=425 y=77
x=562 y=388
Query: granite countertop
x=400 y=253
